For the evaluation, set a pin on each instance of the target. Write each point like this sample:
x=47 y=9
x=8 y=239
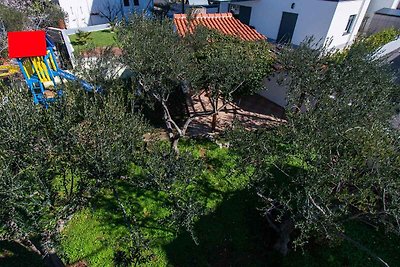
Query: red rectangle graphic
x=26 y=44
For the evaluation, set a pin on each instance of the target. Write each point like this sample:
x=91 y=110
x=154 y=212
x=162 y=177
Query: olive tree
x=55 y=160
x=167 y=66
x=228 y=66
x=337 y=158
x=37 y=14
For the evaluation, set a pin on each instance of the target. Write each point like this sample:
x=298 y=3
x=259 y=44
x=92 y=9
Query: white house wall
x=313 y=20
x=343 y=11
x=83 y=13
x=274 y=91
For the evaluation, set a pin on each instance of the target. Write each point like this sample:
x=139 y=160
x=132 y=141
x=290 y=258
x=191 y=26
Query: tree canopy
x=167 y=67
x=337 y=158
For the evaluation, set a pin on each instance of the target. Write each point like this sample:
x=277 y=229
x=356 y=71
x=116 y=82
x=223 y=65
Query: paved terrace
x=252 y=112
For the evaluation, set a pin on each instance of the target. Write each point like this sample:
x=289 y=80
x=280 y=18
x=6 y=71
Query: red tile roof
x=223 y=22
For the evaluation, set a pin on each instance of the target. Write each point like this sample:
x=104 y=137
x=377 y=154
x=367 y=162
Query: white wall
x=274 y=91
x=313 y=20
x=337 y=28
x=81 y=13
x=77 y=12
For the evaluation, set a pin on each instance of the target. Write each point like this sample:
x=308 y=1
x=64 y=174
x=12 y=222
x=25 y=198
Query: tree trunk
x=282 y=244
x=174 y=145
x=50 y=259
x=214 y=117
x=214 y=122
x=302 y=98
x=173 y=138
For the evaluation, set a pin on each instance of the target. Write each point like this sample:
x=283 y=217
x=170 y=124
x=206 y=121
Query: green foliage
x=161 y=208
x=228 y=64
x=43 y=14
x=156 y=54
x=12 y=19
x=85 y=235
x=337 y=156
x=24 y=183
x=319 y=254
x=371 y=43
x=103 y=38
x=381 y=38
x=183 y=67
x=54 y=160
x=82 y=38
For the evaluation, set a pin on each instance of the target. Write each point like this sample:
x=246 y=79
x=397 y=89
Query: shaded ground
x=251 y=111
x=233 y=235
x=15 y=255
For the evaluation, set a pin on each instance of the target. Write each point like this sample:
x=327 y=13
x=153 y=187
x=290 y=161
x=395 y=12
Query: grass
x=96 y=39
x=100 y=225
x=232 y=233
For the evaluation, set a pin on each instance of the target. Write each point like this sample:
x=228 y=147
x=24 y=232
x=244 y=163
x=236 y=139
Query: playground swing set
x=34 y=53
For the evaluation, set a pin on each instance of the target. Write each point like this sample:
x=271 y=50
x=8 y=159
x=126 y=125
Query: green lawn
x=96 y=39
x=93 y=233
x=232 y=233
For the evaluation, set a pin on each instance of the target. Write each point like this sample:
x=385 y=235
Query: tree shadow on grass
x=135 y=202
x=13 y=254
x=233 y=235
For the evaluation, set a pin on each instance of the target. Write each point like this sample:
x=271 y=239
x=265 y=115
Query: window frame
x=350 y=24
x=127 y=3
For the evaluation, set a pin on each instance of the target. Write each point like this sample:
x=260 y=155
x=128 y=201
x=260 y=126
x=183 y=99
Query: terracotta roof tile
x=223 y=22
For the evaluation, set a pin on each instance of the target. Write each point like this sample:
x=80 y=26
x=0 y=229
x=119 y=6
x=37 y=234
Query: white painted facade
x=83 y=13
x=323 y=19
x=340 y=18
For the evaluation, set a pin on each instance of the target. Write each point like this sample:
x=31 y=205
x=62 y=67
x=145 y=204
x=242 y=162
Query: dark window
x=136 y=2
x=126 y=3
x=350 y=24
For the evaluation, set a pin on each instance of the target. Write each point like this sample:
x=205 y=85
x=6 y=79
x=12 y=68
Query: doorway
x=286 y=29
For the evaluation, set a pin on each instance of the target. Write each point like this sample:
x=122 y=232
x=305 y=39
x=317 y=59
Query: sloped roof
x=223 y=22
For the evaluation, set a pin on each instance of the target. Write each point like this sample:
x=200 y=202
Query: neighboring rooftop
x=223 y=22
x=389 y=12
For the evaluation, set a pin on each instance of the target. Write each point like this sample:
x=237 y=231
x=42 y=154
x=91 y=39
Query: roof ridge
x=205 y=15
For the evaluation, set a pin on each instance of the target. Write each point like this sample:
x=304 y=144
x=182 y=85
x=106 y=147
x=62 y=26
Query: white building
x=324 y=19
x=284 y=20
x=83 y=13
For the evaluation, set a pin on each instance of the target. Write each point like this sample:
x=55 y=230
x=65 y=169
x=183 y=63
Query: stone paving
x=251 y=111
